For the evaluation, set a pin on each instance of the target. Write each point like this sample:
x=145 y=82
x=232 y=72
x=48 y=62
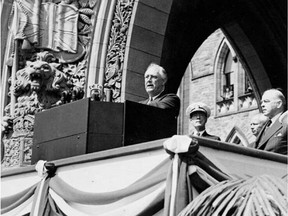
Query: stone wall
x=199 y=82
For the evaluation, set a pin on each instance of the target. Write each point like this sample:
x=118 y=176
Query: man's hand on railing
x=177 y=143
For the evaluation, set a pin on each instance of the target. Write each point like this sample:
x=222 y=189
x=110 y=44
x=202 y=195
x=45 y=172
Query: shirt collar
x=153 y=98
x=200 y=132
x=273 y=119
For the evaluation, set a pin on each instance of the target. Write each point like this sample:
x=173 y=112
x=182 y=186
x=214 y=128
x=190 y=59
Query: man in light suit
x=155 y=80
x=273 y=136
x=198 y=114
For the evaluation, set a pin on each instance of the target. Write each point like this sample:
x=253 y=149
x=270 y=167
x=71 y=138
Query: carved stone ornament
x=52 y=63
x=40 y=85
x=63 y=27
x=116 y=47
x=96 y=92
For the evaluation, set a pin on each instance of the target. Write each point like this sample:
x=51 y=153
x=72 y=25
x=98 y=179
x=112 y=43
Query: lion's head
x=40 y=75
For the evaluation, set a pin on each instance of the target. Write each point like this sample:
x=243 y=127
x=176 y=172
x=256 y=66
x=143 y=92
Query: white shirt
x=195 y=133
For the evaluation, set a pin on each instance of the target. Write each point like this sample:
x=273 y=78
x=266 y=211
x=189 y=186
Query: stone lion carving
x=43 y=78
x=40 y=85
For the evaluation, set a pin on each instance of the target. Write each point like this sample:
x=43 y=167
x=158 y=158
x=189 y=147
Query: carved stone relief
x=52 y=63
x=51 y=68
x=42 y=84
x=116 y=47
x=227 y=106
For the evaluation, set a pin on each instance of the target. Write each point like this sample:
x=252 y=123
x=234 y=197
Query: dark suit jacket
x=209 y=136
x=166 y=101
x=193 y=148
x=274 y=139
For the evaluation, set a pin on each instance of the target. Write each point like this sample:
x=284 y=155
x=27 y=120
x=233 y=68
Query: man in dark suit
x=257 y=123
x=155 y=80
x=273 y=136
x=198 y=114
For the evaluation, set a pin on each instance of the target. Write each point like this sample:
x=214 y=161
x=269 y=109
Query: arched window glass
x=233 y=89
x=228 y=78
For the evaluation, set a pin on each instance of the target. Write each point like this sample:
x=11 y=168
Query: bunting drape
x=149 y=195
x=53 y=196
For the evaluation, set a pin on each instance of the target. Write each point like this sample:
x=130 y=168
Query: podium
x=87 y=126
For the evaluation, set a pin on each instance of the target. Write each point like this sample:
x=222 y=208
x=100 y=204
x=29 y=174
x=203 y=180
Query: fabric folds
x=11 y=202
x=149 y=195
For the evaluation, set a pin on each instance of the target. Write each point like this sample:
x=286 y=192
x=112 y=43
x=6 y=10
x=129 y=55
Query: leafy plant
x=257 y=196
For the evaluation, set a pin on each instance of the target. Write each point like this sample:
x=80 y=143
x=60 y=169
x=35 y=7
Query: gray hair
x=278 y=94
x=160 y=69
x=261 y=117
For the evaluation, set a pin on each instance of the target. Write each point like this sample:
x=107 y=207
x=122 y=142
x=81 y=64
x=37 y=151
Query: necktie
x=265 y=130
x=269 y=123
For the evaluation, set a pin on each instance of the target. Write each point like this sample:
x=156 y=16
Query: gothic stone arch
x=170 y=33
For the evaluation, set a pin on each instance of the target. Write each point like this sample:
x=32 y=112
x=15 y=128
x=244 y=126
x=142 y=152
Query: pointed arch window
x=234 y=92
x=228 y=78
x=237 y=137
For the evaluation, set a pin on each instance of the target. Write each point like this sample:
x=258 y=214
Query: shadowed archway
x=256 y=29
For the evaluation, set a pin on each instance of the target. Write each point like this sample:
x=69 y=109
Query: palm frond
x=255 y=196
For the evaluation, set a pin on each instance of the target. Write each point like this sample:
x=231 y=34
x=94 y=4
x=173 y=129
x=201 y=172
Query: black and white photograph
x=144 y=108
